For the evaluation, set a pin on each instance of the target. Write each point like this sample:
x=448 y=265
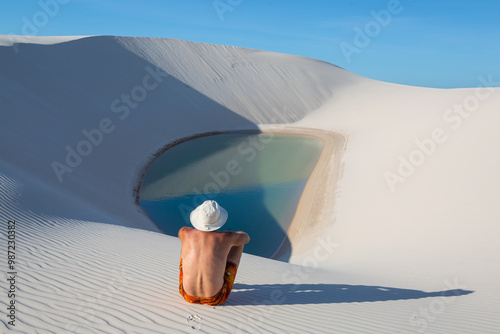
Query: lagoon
x=257 y=177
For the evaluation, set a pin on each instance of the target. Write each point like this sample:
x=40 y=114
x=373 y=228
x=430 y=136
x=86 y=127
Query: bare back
x=204 y=256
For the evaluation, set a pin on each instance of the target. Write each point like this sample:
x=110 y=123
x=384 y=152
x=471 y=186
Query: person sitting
x=209 y=258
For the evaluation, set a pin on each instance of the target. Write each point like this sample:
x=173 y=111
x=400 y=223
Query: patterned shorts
x=221 y=296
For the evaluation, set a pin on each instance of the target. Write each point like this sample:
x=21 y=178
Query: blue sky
x=440 y=43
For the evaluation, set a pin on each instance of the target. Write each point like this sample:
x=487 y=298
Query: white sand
x=10 y=40
x=89 y=261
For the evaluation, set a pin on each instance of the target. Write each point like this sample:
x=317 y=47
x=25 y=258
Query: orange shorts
x=221 y=296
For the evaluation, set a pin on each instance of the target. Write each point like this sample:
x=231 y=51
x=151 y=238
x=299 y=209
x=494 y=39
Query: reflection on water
x=257 y=178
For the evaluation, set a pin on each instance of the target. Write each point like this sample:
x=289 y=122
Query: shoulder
x=183 y=231
x=237 y=237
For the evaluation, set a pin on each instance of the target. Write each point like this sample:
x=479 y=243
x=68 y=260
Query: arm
x=240 y=238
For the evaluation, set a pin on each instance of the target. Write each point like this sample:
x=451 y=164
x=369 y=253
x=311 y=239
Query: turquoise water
x=257 y=178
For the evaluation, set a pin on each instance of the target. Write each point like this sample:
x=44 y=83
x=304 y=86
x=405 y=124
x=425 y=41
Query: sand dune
x=409 y=245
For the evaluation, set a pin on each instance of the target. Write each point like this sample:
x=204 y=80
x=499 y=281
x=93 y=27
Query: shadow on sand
x=293 y=294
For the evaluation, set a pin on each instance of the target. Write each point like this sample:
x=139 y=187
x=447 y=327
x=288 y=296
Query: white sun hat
x=209 y=216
